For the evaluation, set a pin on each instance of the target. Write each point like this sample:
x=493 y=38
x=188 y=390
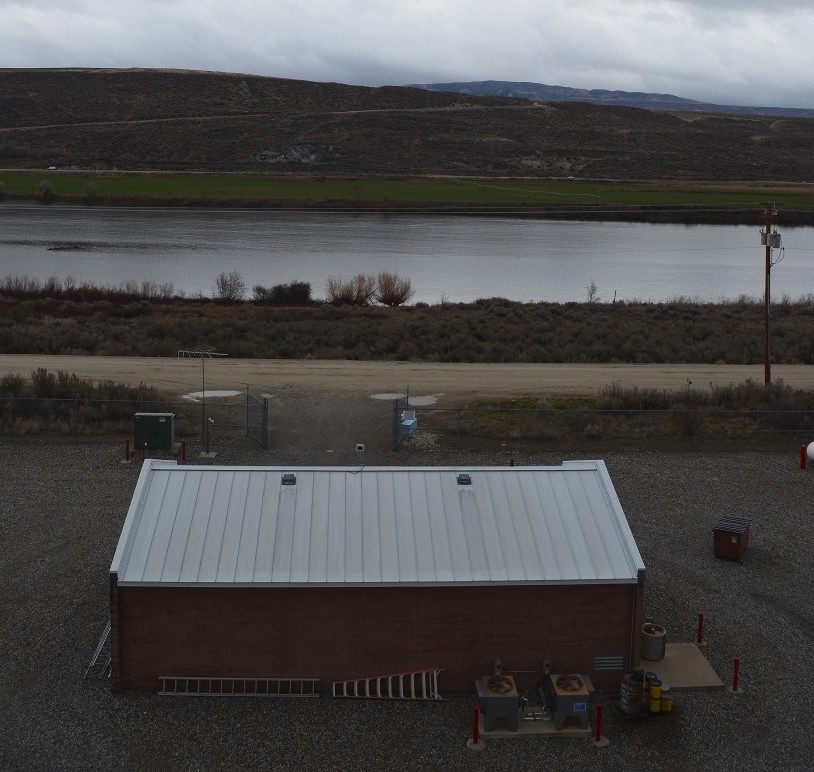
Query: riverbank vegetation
x=675 y=201
x=146 y=320
x=747 y=411
x=62 y=403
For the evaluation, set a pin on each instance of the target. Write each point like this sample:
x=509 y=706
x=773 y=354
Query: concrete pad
x=537 y=729
x=684 y=667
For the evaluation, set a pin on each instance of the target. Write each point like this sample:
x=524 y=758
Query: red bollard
x=700 y=628
x=475 y=743
x=803 y=449
x=598 y=738
x=183 y=450
x=126 y=459
x=736 y=670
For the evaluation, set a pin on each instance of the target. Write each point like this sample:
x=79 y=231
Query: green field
x=254 y=189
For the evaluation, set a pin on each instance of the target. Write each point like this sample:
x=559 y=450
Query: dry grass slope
x=160 y=119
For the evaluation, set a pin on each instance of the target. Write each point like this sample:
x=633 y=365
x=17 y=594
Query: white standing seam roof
x=374 y=526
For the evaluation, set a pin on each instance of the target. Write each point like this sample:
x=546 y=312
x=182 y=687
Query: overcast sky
x=751 y=52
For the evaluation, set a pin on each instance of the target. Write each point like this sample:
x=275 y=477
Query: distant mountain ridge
x=540 y=92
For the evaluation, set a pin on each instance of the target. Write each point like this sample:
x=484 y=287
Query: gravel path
x=62 y=510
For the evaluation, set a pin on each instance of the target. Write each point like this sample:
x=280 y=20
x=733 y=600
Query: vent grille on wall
x=609 y=662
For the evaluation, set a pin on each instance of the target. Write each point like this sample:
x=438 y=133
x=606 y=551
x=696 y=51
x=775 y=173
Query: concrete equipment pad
x=684 y=667
x=538 y=729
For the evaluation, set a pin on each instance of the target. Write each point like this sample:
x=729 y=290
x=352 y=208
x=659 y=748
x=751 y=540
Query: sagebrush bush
x=358 y=291
x=392 y=290
x=295 y=293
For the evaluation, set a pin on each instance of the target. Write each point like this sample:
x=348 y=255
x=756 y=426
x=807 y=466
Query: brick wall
x=343 y=633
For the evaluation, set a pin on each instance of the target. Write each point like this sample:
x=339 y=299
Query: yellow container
x=666 y=699
x=654 y=704
x=655 y=690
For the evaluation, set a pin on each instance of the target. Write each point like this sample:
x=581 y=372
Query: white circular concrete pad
x=197 y=396
x=423 y=401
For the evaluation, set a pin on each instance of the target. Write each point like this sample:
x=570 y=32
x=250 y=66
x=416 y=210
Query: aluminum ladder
x=412 y=685
x=100 y=661
x=205 y=686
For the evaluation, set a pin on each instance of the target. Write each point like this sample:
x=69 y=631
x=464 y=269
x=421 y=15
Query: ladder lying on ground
x=100 y=662
x=194 y=686
x=413 y=685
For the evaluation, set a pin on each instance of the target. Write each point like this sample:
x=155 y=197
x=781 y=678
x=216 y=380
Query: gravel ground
x=62 y=511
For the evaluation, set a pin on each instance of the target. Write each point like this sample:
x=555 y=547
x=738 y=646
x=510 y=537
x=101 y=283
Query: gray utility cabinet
x=155 y=431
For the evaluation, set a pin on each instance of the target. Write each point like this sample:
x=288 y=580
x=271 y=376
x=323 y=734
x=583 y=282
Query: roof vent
x=289 y=478
x=464 y=479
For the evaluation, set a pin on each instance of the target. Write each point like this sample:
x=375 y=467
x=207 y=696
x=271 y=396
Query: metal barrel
x=666 y=699
x=654 y=642
x=630 y=696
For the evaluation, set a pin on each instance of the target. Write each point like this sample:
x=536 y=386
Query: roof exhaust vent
x=289 y=478
x=464 y=479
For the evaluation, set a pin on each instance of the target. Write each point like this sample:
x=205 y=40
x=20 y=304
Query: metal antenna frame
x=204 y=353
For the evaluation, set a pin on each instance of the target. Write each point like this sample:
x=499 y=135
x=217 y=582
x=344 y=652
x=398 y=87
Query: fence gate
x=257 y=418
x=399 y=407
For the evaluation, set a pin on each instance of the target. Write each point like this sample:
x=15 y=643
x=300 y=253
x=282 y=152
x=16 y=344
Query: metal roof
x=374 y=526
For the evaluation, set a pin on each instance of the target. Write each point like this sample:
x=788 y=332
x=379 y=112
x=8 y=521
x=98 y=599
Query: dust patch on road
x=197 y=396
x=423 y=401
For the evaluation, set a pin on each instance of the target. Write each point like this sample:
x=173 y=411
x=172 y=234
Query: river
x=453 y=259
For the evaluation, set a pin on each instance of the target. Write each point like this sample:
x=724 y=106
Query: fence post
x=265 y=423
x=736 y=670
x=599 y=740
x=475 y=743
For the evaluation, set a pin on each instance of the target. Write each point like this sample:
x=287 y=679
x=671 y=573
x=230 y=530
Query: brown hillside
x=176 y=120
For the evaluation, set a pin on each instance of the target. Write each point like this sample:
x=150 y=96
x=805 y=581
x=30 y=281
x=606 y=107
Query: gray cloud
x=727 y=51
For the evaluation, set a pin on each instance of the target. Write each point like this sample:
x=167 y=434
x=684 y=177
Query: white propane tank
x=810 y=451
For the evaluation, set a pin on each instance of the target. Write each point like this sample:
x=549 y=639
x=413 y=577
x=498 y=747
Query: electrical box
x=731 y=537
x=155 y=431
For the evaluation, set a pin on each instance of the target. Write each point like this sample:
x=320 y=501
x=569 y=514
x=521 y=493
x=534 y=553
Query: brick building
x=340 y=573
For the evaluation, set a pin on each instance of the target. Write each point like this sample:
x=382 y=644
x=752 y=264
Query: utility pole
x=770 y=240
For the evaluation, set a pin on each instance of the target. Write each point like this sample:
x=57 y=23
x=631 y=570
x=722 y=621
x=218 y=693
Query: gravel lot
x=64 y=505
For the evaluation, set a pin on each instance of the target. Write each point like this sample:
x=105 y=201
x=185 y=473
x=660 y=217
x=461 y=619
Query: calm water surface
x=446 y=258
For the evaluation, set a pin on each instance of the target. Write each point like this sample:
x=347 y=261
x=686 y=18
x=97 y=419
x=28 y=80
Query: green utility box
x=155 y=431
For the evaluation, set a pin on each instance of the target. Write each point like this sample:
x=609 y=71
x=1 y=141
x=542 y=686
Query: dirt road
x=266 y=375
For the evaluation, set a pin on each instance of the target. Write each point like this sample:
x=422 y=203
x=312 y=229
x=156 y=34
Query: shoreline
x=658 y=214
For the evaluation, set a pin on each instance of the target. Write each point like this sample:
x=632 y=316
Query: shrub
x=46 y=192
x=295 y=293
x=359 y=291
x=230 y=287
x=392 y=290
x=44 y=383
x=91 y=191
x=11 y=385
